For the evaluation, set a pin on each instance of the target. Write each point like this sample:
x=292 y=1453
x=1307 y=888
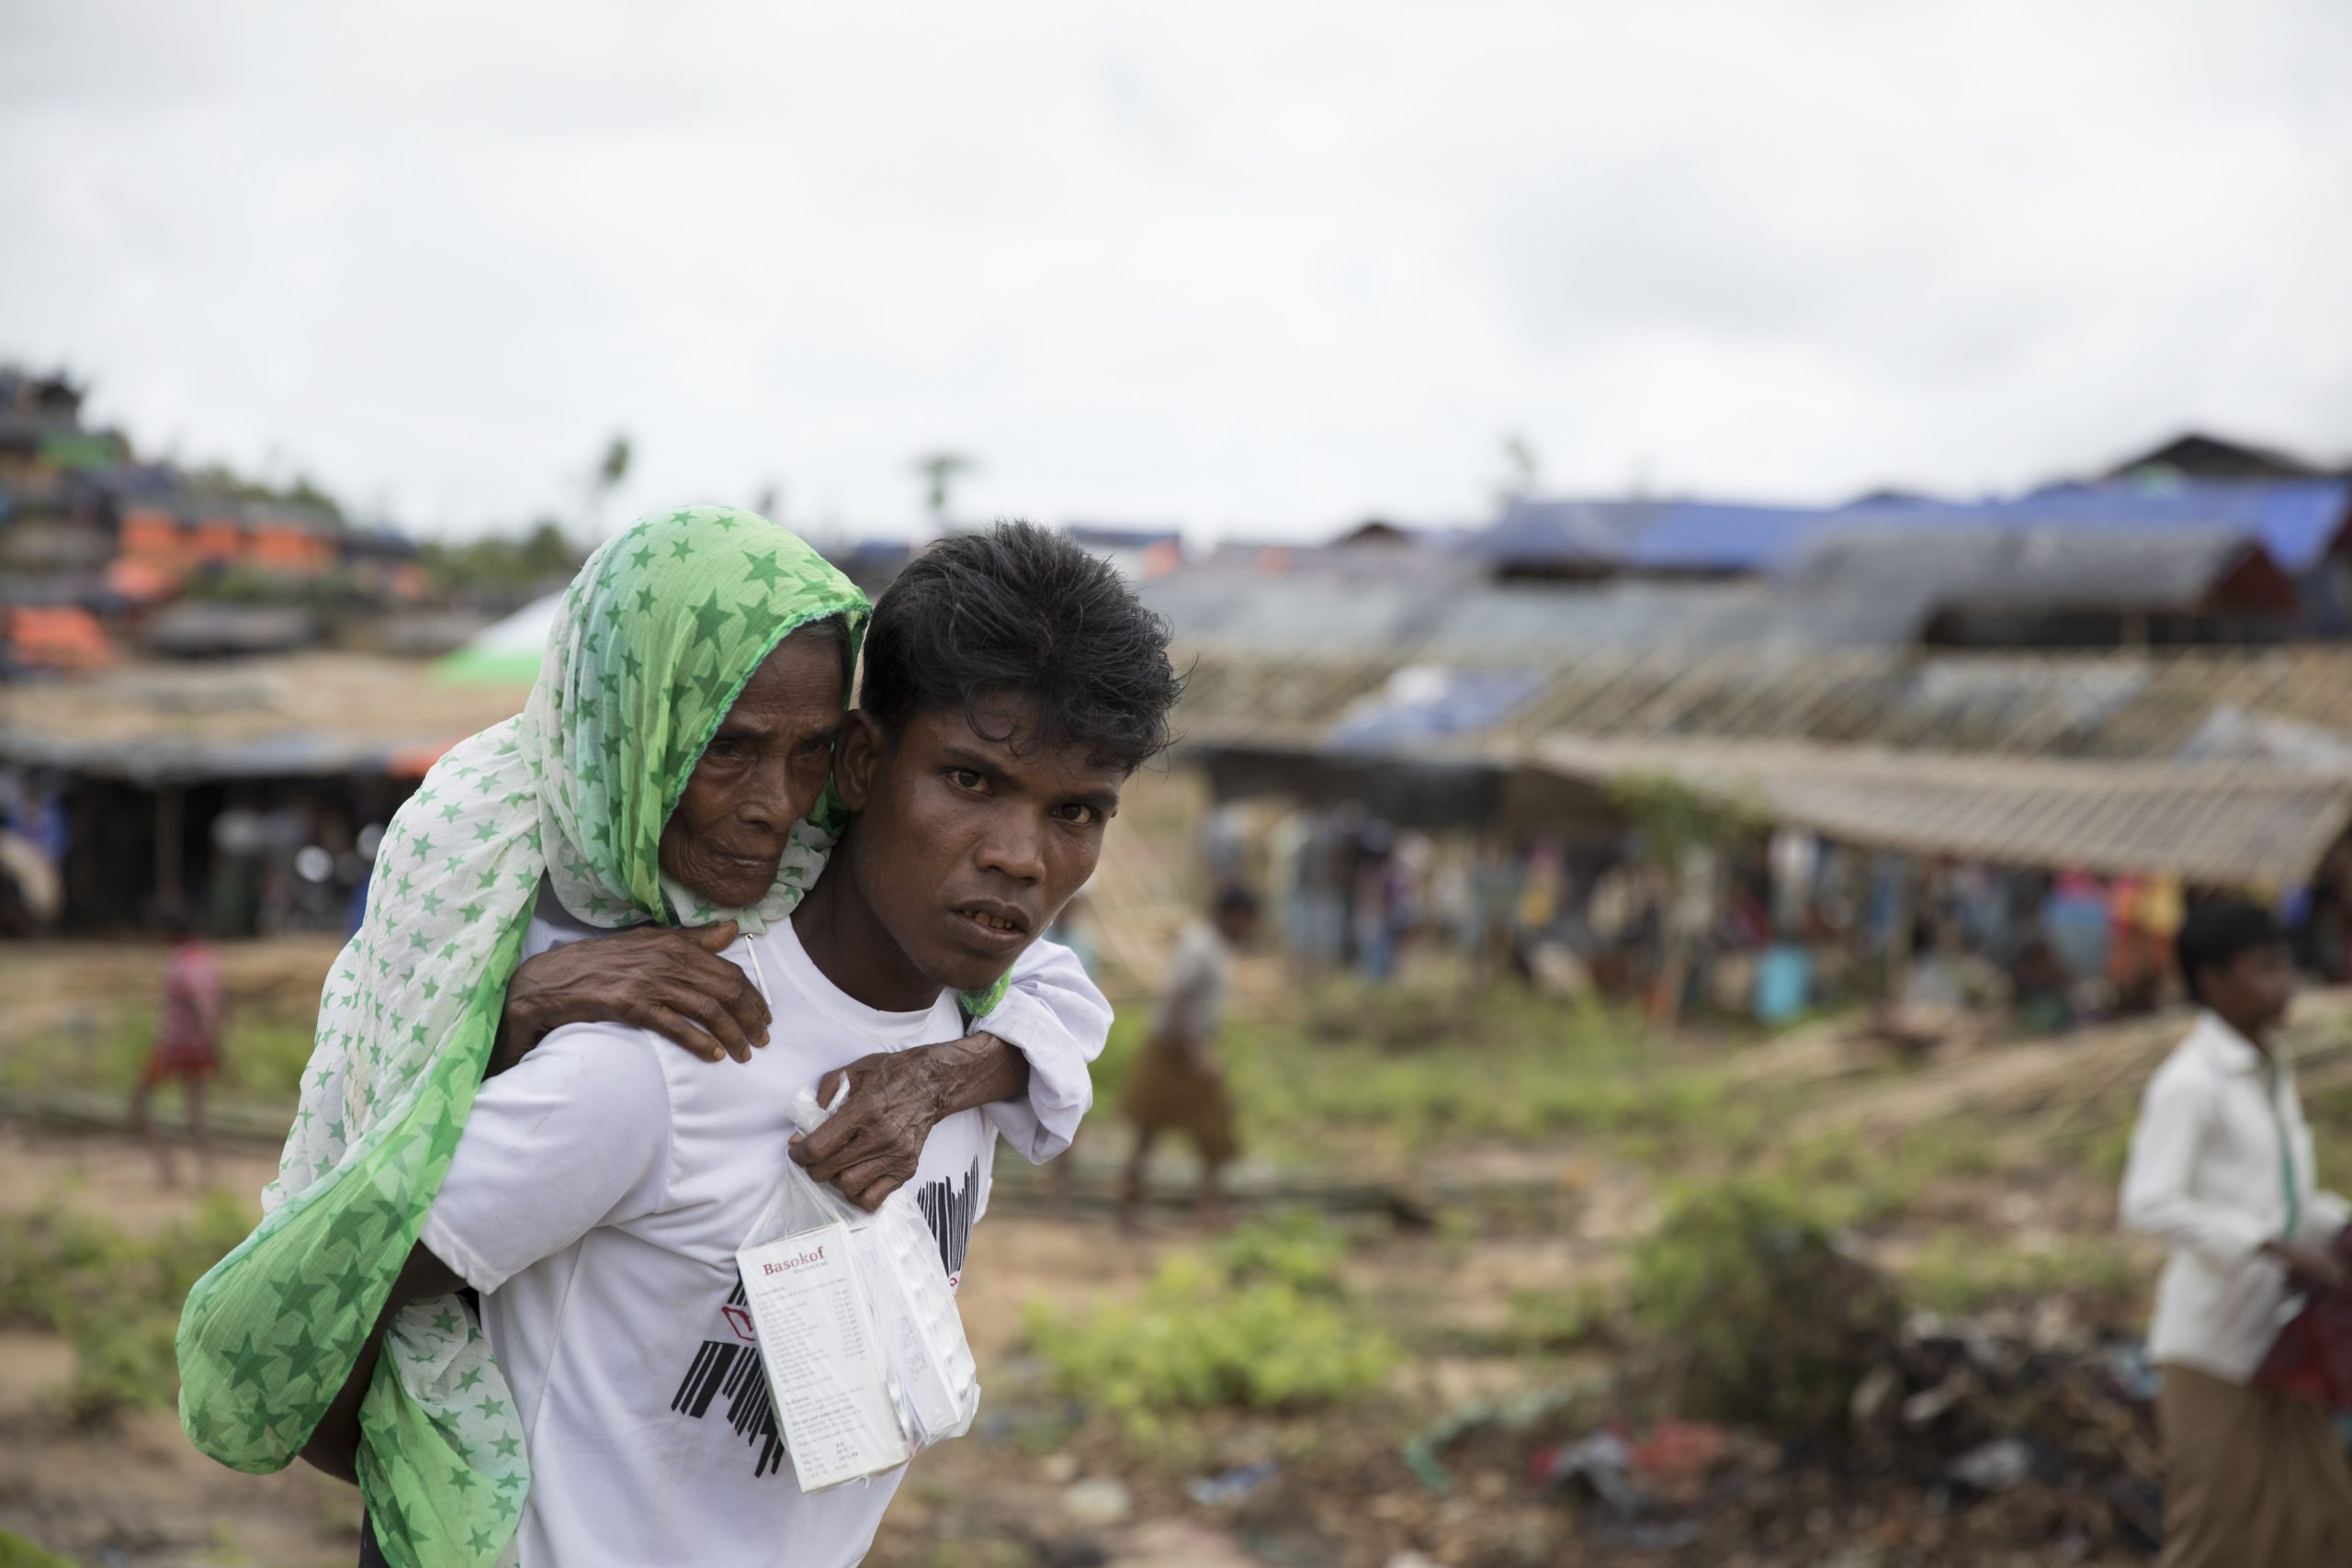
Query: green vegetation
x=1674 y=820
x=1264 y=1320
x=16 y=1551
x=1557 y=1320
x=1959 y=1272
x=1852 y=1182
x=1411 y=1068
x=114 y=1297
x=261 y=1056
x=506 y=566
x=220 y=478
x=1760 y=1314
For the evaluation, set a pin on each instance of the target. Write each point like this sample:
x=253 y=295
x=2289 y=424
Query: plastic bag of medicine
x=865 y=1356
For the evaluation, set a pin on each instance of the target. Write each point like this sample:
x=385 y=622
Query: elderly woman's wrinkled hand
x=870 y=1147
x=672 y=982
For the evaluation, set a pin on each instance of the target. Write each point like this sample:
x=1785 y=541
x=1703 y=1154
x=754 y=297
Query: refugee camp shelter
x=147 y=759
x=2223 y=766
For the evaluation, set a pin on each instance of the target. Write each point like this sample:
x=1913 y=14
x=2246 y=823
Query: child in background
x=187 y=1043
x=2221 y=1172
x=1178 y=1085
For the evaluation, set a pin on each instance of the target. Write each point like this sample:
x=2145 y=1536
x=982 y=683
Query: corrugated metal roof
x=1299 y=602
x=1635 y=615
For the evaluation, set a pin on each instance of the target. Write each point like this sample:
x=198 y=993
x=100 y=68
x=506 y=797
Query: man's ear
x=856 y=756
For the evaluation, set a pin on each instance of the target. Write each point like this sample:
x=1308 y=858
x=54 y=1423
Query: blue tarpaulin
x=1425 y=703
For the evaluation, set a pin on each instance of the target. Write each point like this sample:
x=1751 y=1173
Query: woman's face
x=761 y=774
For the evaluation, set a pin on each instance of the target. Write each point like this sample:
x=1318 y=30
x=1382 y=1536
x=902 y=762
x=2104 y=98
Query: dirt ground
x=135 y=1494
x=1543 y=1219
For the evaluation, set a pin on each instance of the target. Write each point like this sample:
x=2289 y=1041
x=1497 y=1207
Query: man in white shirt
x=2221 y=1172
x=605 y=1181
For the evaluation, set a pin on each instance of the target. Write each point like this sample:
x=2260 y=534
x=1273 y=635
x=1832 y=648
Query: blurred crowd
x=1778 y=925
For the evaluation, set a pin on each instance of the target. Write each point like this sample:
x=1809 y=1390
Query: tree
x=614 y=469
x=1686 y=832
x=610 y=473
x=939 y=472
x=1522 y=474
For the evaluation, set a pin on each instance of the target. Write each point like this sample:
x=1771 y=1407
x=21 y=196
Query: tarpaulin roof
x=1553 y=535
x=1708 y=535
x=2280 y=703
x=1423 y=702
x=2224 y=766
x=2296 y=520
x=2020 y=566
x=2249 y=825
x=309 y=715
x=506 y=652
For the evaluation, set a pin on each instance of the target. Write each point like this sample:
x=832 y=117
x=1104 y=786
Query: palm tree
x=609 y=474
x=939 y=472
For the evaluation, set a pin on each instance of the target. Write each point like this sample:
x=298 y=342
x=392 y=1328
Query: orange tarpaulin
x=57 y=637
x=415 y=761
x=142 y=581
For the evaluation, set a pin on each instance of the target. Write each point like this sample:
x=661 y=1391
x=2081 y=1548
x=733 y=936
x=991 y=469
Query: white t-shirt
x=596 y=1200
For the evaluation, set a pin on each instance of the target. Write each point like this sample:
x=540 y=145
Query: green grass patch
x=16 y=1551
x=1417 y=1068
x=1959 y=1272
x=1263 y=1320
x=1852 y=1181
x=261 y=1058
x=116 y=1297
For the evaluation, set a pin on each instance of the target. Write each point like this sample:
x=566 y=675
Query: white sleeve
x=574 y=1135
x=2157 y=1199
x=1054 y=1015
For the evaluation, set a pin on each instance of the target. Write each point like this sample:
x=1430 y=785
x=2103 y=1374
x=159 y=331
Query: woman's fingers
x=714 y=1019
x=702 y=971
x=869 y=1184
x=682 y=1029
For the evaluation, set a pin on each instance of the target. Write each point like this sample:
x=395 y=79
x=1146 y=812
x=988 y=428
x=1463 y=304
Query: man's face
x=2253 y=990
x=761 y=772
x=967 y=847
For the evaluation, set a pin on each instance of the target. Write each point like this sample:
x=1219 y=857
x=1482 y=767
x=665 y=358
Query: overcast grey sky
x=1259 y=268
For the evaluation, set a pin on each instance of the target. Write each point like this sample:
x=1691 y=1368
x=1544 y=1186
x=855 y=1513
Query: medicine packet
x=867 y=1361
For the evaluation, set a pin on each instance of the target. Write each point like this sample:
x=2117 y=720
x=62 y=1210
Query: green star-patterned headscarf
x=657 y=635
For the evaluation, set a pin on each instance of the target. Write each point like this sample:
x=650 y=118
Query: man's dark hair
x=1234 y=899
x=1018 y=610
x=2213 y=935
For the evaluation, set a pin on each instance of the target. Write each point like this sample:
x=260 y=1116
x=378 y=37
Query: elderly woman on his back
x=667 y=771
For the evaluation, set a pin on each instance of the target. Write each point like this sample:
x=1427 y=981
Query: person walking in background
x=1178 y=1085
x=187 y=1045
x=2221 y=1172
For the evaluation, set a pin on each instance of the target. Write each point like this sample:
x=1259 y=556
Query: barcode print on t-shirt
x=734 y=1368
x=736 y=1371
x=950 y=1213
